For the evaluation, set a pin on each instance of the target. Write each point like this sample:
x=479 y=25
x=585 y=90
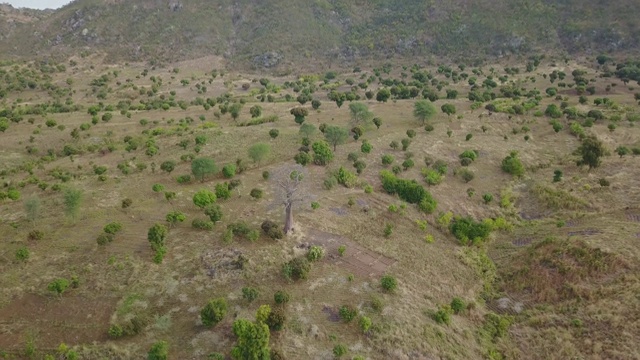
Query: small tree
x=201 y=167
x=591 y=151
x=322 y=153
x=336 y=135
x=448 y=109
x=360 y=114
x=273 y=133
x=213 y=312
x=72 y=201
x=168 y=166
x=255 y=111
x=423 y=110
x=299 y=114
x=377 y=122
x=622 y=151
x=253 y=340
x=32 y=208
x=259 y=151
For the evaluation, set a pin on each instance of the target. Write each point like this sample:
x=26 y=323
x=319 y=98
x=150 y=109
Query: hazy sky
x=37 y=4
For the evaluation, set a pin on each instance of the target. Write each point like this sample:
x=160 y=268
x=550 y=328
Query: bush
x=469 y=231
x=157 y=187
x=266 y=175
x=339 y=350
x=512 y=164
x=302 y=158
x=229 y=171
x=204 y=198
x=223 y=191
x=22 y=254
x=388 y=283
x=365 y=323
x=281 y=297
x=256 y=193
x=442 y=316
x=183 y=179
x=466 y=175
x=213 y=312
x=115 y=331
x=458 y=305
x=202 y=224
x=250 y=293
x=431 y=177
x=58 y=286
x=276 y=319
x=408 y=190
x=322 y=153
x=296 y=269
x=470 y=154
x=159 y=351
x=346 y=178
x=104 y=239
x=387 y=159
x=214 y=212
x=347 y=313
x=315 y=253
x=112 y=228
x=330 y=182
x=487 y=198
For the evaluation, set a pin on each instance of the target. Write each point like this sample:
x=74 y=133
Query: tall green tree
x=423 y=110
x=201 y=167
x=591 y=151
x=336 y=135
x=360 y=114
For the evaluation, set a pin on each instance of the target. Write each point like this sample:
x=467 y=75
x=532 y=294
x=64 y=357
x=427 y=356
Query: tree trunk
x=288 y=221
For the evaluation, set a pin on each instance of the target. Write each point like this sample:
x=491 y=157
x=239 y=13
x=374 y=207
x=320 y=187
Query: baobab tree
x=291 y=190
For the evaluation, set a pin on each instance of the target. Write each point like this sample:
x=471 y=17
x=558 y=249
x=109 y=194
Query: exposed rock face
x=268 y=60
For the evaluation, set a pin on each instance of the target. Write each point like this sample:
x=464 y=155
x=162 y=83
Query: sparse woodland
x=403 y=211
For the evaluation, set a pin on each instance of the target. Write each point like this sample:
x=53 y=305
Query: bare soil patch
x=72 y=320
x=357 y=259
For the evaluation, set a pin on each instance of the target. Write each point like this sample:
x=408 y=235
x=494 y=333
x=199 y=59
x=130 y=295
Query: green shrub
x=470 y=154
x=339 y=350
x=347 y=313
x=275 y=320
x=387 y=159
x=458 y=305
x=229 y=170
x=365 y=323
x=214 y=212
x=487 y=198
x=512 y=164
x=183 y=179
x=213 y=312
x=408 y=190
x=281 y=297
x=159 y=351
x=256 y=193
x=250 y=293
x=388 y=283
x=223 y=191
x=330 y=182
x=442 y=316
x=157 y=187
x=204 y=198
x=296 y=269
x=115 y=331
x=315 y=253
x=104 y=239
x=468 y=231
x=58 y=286
x=22 y=254
x=112 y=228
x=346 y=178
x=202 y=224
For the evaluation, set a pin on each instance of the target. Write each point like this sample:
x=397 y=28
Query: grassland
x=557 y=278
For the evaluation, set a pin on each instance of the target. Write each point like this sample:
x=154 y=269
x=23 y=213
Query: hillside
x=295 y=33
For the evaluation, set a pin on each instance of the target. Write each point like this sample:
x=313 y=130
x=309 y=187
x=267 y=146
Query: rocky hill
x=277 y=32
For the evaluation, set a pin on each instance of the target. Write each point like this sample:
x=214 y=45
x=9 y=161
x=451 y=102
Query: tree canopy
x=423 y=110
